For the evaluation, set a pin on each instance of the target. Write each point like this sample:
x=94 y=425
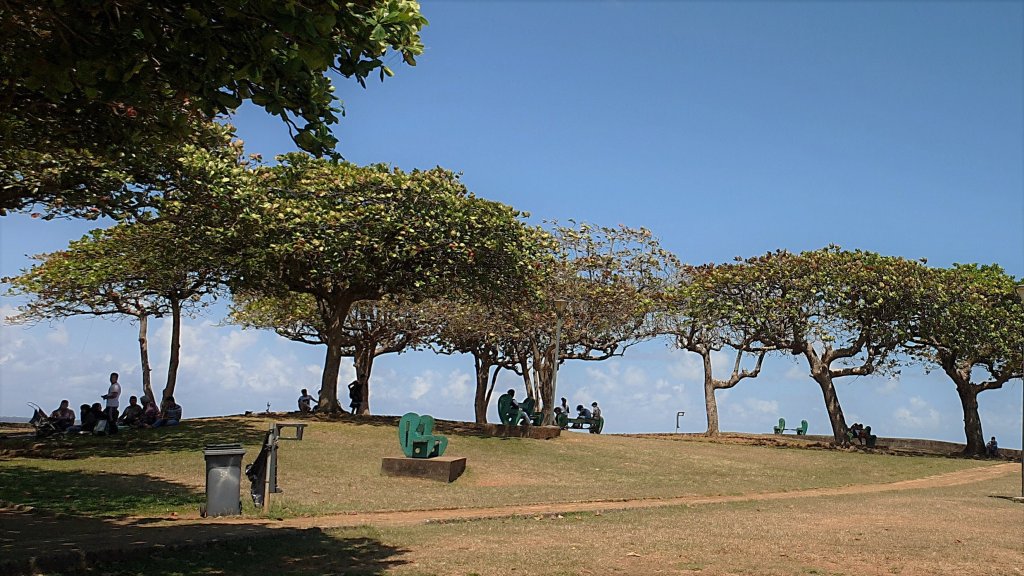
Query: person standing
x=112 y=395
x=355 y=396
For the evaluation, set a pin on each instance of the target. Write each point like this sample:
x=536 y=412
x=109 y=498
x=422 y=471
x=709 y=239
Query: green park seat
x=416 y=438
x=781 y=427
x=513 y=416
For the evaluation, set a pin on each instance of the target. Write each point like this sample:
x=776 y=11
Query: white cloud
x=920 y=415
x=59 y=336
x=889 y=387
x=461 y=385
x=747 y=408
x=422 y=384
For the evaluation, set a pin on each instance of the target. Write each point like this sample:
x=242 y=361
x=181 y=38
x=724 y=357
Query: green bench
x=800 y=431
x=592 y=425
x=511 y=416
x=415 y=434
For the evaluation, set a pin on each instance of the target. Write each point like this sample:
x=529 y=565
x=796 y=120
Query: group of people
x=309 y=404
x=99 y=419
x=861 y=434
x=582 y=412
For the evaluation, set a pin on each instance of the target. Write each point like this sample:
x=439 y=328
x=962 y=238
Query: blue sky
x=728 y=129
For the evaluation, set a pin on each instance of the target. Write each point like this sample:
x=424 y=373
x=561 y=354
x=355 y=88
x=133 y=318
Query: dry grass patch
x=960 y=531
x=336 y=469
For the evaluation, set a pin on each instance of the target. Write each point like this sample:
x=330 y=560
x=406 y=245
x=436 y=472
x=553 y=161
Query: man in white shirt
x=113 y=393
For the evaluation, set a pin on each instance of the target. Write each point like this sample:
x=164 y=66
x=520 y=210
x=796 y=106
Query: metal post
x=678 y=416
x=1020 y=294
x=270 y=469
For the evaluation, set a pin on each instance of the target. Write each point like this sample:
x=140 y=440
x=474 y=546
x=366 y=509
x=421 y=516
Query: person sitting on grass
x=132 y=413
x=171 y=415
x=63 y=417
x=306 y=402
x=150 y=413
x=992 y=448
x=96 y=422
x=85 y=418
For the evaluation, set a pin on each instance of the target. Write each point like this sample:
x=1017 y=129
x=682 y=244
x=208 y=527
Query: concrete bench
x=299 y=427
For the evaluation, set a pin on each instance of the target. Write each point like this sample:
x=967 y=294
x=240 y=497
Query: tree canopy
x=342 y=233
x=91 y=89
x=134 y=270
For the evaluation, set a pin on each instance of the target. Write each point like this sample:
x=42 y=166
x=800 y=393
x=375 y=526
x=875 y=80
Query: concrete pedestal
x=442 y=468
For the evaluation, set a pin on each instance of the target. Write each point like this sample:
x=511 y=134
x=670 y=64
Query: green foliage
x=94 y=88
x=971 y=316
x=338 y=231
x=128 y=269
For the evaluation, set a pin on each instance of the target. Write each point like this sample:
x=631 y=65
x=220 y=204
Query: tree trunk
x=835 y=410
x=710 y=404
x=175 y=358
x=482 y=366
x=335 y=311
x=329 y=379
x=147 y=376
x=969 y=401
x=364 y=365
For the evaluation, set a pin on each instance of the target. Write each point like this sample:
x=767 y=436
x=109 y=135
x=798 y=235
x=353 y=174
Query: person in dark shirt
x=132 y=413
x=171 y=415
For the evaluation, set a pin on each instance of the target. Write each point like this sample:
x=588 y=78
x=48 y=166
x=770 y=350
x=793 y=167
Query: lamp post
x=1020 y=294
x=549 y=411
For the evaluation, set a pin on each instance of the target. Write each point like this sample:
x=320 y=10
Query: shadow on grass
x=39 y=543
x=284 y=551
x=93 y=493
x=189 y=436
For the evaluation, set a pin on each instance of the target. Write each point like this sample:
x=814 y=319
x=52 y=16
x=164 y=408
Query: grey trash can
x=223 y=479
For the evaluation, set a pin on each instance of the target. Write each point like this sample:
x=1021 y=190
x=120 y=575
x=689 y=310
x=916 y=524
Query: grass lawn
x=336 y=469
x=959 y=531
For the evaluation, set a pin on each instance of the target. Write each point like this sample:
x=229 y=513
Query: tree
x=92 y=88
x=847 y=313
x=711 y=308
x=485 y=330
x=611 y=278
x=134 y=270
x=372 y=328
x=971 y=325
x=343 y=233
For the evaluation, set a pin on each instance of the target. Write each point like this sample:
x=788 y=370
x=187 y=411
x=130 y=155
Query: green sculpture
x=414 y=435
x=509 y=414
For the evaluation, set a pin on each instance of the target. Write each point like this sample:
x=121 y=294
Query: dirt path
x=31 y=540
x=420 y=516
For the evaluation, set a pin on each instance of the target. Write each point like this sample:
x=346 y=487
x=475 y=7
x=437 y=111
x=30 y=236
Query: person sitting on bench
x=581 y=413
